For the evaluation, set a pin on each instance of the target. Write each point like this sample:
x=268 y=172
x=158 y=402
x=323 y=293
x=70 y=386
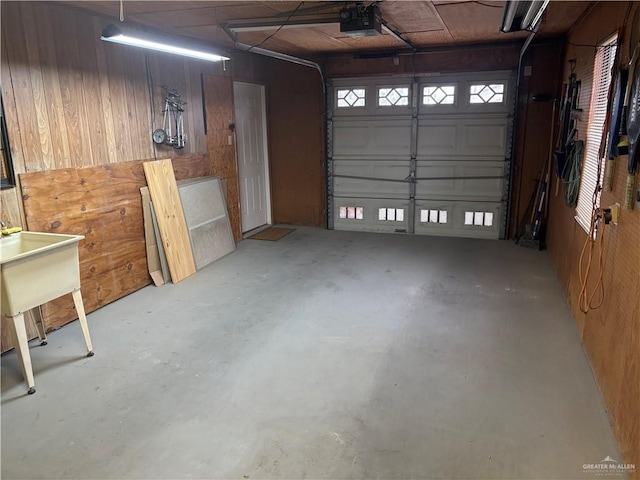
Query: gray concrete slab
x=323 y=355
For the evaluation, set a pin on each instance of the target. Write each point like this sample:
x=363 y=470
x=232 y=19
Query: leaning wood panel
x=171 y=221
x=103 y=204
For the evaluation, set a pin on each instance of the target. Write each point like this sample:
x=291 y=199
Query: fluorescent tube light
x=531 y=24
x=522 y=15
x=114 y=34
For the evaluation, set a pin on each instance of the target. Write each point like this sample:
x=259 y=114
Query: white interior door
x=253 y=169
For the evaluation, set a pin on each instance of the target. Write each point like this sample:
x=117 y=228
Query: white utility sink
x=36 y=268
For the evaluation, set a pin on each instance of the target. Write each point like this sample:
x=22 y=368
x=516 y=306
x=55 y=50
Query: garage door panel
x=485 y=139
x=438 y=139
x=371 y=215
x=384 y=170
x=464 y=179
x=458 y=219
x=372 y=138
x=462 y=138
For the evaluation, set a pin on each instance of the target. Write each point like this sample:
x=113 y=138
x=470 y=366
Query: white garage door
x=427 y=156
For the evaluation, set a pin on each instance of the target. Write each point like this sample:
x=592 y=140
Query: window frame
x=485 y=84
x=456 y=95
x=351 y=89
x=592 y=170
x=393 y=87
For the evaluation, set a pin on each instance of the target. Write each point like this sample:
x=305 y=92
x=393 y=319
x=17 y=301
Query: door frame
x=265 y=147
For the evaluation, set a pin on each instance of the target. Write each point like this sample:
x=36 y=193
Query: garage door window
x=439 y=95
x=351 y=97
x=486 y=93
x=393 y=96
x=352 y=213
x=433 y=216
x=478 y=219
x=391 y=214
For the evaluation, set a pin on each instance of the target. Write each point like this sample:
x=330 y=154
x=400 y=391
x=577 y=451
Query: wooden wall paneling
x=220 y=114
x=105 y=95
x=37 y=86
x=22 y=92
x=534 y=127
x=53 y=95
x=138 y=102
x=171 y=220
x=455 y=59
x=611 y=333
x=72 y=89
x=192 y=92
x=91 y=98
x=117 y=93
x=296 y=144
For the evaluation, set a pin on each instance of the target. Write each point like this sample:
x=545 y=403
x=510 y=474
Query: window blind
x=593 y=165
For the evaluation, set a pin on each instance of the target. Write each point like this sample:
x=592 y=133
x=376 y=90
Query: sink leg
x=77 y=299
x=19 y=333
x=36 y=313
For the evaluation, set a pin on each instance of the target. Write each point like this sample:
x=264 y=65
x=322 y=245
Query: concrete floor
x=324 y=355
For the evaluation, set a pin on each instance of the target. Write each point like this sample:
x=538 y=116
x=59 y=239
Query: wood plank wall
x=610 y=334
x=533 y=132
x=296 y=143
x=221 y=142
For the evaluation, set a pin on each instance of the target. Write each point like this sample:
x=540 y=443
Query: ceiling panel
x=423 y=23
x=412 y=16
x=560 y=17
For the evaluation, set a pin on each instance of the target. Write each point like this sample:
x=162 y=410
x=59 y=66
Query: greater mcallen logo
x=608 y=466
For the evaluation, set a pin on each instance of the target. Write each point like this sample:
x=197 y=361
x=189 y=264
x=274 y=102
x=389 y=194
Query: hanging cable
x=122 y=10
x=571 y=174
x=595 y=237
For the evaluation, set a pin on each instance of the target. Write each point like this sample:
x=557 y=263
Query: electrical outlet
x=615 y=213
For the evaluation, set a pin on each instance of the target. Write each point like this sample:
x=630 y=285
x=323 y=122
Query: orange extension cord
x=596 y=235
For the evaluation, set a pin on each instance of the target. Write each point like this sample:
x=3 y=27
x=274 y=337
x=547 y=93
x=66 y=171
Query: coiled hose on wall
x=571 y=174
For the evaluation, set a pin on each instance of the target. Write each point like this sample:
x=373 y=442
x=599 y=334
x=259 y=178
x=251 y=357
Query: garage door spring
x=411 y=179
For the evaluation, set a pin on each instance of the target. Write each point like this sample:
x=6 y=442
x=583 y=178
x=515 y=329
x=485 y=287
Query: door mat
x=272 y=234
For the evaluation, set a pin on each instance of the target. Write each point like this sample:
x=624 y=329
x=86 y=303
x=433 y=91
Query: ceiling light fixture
x=522 y=15
x=151 y=41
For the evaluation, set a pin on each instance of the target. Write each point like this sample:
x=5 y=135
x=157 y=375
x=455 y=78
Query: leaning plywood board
x=207 y=219
x=171 y=222
x=164 y=267
x=153 y=255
